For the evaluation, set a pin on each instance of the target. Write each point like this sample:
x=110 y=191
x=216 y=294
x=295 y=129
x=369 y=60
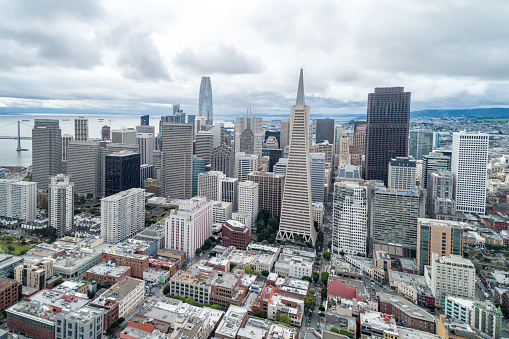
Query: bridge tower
x=19 y=149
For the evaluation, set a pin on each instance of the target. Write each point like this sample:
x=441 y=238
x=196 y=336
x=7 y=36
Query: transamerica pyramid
x=296 y=210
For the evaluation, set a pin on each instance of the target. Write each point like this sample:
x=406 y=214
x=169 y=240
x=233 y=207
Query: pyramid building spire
x=300 y=90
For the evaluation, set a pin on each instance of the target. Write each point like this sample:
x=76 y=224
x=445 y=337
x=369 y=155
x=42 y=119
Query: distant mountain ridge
x=484 y=113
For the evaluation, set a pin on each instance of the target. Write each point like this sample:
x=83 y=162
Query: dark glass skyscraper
x=144 y=120
x=387 y=130
x=325 y=130
x=205 y=102
x=122 y=172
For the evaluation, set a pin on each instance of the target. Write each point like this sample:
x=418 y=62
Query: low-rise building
x=32 y=319
x=459 y=309
x=168 y=265
x=378 y=325
x=487 y=319
x=173 y=254
x=406 y=313
x=10 y=293
x=226 y=288
x=194 y=283
x=128 y=255
x=220 y=264
x=235 y=233
x=281 y=304
x=86 y=323
x=454 y=330
x=110 y=273
x=294 y=267
x=8 y=263
x=34 y=273
x=234 y=319
x=156 y=275
x=128 y=292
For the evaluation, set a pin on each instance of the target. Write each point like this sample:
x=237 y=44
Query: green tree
x=306 y=278
x=312 y=291
x=216 y=307
x=321 y=314
x=232 y=265
x=248 y=269
x=260 y=314
x=212 y=239
x=334 y=330
x=273 y=223
x=199 y=251
x=325 y=277
x=345 y=332
x=257 y=272
x=324 y=293
x=316 y=276
x=166 y=289
x=114 y=324
x=342 y=253
x=327 y=255
x=329 y=244
x=10 y=248
x=285 y=319
x=322 y=308
x=309 y=302
x=265 y=273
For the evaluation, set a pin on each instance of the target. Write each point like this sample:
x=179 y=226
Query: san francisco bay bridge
x=24 y=132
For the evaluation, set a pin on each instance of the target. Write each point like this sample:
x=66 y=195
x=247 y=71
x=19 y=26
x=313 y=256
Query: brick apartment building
x=227 y=289
x=10 y=292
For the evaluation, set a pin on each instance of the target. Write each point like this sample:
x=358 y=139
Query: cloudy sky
x=142 y=56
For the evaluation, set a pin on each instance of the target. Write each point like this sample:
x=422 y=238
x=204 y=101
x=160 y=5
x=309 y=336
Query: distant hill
x=484 y=113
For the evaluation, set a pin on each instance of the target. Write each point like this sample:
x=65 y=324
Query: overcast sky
x=141 y=56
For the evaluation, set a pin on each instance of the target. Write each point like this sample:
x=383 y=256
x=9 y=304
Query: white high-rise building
x=209 y=184
x=248 y=201
x=469 y=167
x=245 y=164
x=122 y=215
x=61 y=204
x=296 y=210
x=187 y=228
x=350 y=227
x=280 y=166
x=317 y=176
x=451 y=276
x=229 y=191
x=123 y=136
x=18 y=199
x=255 y=124
x=218 y=134
x=81 y=129
x=402 y=173
x=221 y=211
x=146 y=144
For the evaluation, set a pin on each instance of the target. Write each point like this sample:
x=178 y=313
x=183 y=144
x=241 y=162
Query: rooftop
x=111 y=270
x=231 y=322
x=406 y=307
x=122 y=288
x=58 y=298
x=380 y=321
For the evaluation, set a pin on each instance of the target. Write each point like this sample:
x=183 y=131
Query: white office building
x=123 y=136
x=402 y=174
x=61 y=204
x=317 y=176
x=221 y=211
x=146 y=144
x=18 y=199
x=122 y=215
x=248 y=201
x=350 y=218
x=209 y=184
x=245 y=164
x=187 y=228
x=469 y=167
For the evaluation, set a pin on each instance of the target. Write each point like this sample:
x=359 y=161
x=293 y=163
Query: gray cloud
x=138 y=56
x=225 y=59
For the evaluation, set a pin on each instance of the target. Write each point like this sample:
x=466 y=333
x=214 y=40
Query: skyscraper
x=18 y=199
x=296 y=210
x=270 y=191
x=469 y=167
x=441 y=195
x=83 y=160
x=205 y=101
x=230 y=192
x=325 y=130
x=123 y=136
x=204 y=145
x=177 y=166
x=434 y=162
x=387 y=130
x=350 y=225
x=284 y=138
x=344 y=150
x=144 y=121
x=66 y=138
x=402 y=171
x=338 y=133
x=245 y=164
x=46 y=151
x=394 y=220
x=198 y=167
x=81 y=129
x=248 y=201
x=223 y=159
x=122 y=215
x=327 y=148
x=146 y=144
x=121 y=172
x=209 y=185
x=61 y=204
x=317 y=176
x=420 y=143
x=359 y=136
x=249 y=124
x=105 y=132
